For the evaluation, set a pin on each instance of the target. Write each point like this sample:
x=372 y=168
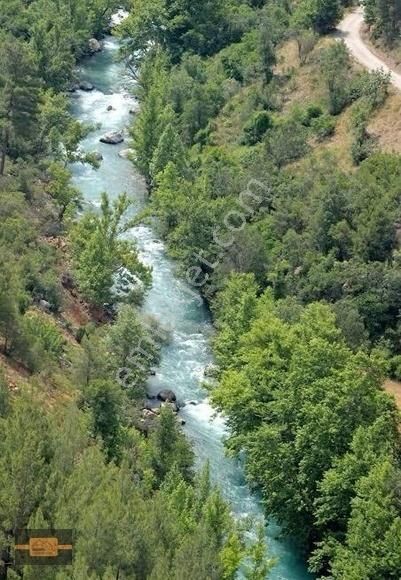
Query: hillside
x=272 y=161
x=79 y=448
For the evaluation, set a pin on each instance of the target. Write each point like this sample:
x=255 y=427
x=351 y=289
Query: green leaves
x=373 y=541
x=321 y=15
x=308 y=413
x=24 y=458
x=99 y=253
x=153 y=116
x=384 y=19
x=104 y=399
x=67 y=197
x=19 y=97
x=169 y=150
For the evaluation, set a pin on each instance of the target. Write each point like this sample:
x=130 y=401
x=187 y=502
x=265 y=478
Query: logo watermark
x=43 y=547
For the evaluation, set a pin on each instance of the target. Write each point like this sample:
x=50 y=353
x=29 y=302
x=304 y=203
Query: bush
x=45 y=286
x=256 y=128
x=395 y=367
x=323 y=126
x=371 y=86
x=305 y=116
x=44 y=333
x=313 y=112
x=287 y=142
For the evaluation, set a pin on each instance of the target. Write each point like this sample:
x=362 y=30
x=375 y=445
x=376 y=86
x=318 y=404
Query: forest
x=279 y=204
x=74 y=450
x=294 y=243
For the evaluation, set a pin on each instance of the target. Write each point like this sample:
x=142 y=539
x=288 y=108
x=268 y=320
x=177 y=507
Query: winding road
x=350 y=31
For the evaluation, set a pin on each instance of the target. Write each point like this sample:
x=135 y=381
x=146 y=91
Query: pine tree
x=25 y=451
x=19 y=96
x=169 y=149
x=104 y=399
x=10 y=319
x=133 y=351
x=154 y=115
x=170 y=449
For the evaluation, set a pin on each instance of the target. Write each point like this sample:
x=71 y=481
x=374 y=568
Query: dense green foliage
x=75 y=449
x=166 y=522
x=291 y=385
x=102 y=261
x=299 y=259
x=384 y=16
x=315 y=234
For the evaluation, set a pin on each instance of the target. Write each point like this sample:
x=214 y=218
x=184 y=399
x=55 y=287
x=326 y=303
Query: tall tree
x=19 y=97
x=99 y=253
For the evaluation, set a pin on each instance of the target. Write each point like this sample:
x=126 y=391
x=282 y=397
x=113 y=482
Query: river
x=170 y=299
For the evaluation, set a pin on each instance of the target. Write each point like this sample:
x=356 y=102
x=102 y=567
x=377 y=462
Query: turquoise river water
x=170 y=299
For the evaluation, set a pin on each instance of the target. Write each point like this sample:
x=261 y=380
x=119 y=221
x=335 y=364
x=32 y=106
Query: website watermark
x=255 y=198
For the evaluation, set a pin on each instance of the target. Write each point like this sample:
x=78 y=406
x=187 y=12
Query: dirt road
x=350 y=31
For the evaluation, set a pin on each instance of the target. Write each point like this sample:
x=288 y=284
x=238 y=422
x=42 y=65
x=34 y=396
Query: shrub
x=313 y=112
x=305 y=116
x=256 y=128
x=323 y=126
x=395 y=367
x=44 y=333
x=371 y=86
x=287 y=142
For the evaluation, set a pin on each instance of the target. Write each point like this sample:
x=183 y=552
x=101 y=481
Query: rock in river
x=167 y=395
x=211 y=371
x=112 y=138
x=94 y=46
x=85 y=86
x=97 y=156
x=125 y=154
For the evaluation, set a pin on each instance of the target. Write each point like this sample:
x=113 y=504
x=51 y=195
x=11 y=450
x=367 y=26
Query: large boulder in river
x=94 y=46
x=112 y=138
x=86 y=86
x=167 y=396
